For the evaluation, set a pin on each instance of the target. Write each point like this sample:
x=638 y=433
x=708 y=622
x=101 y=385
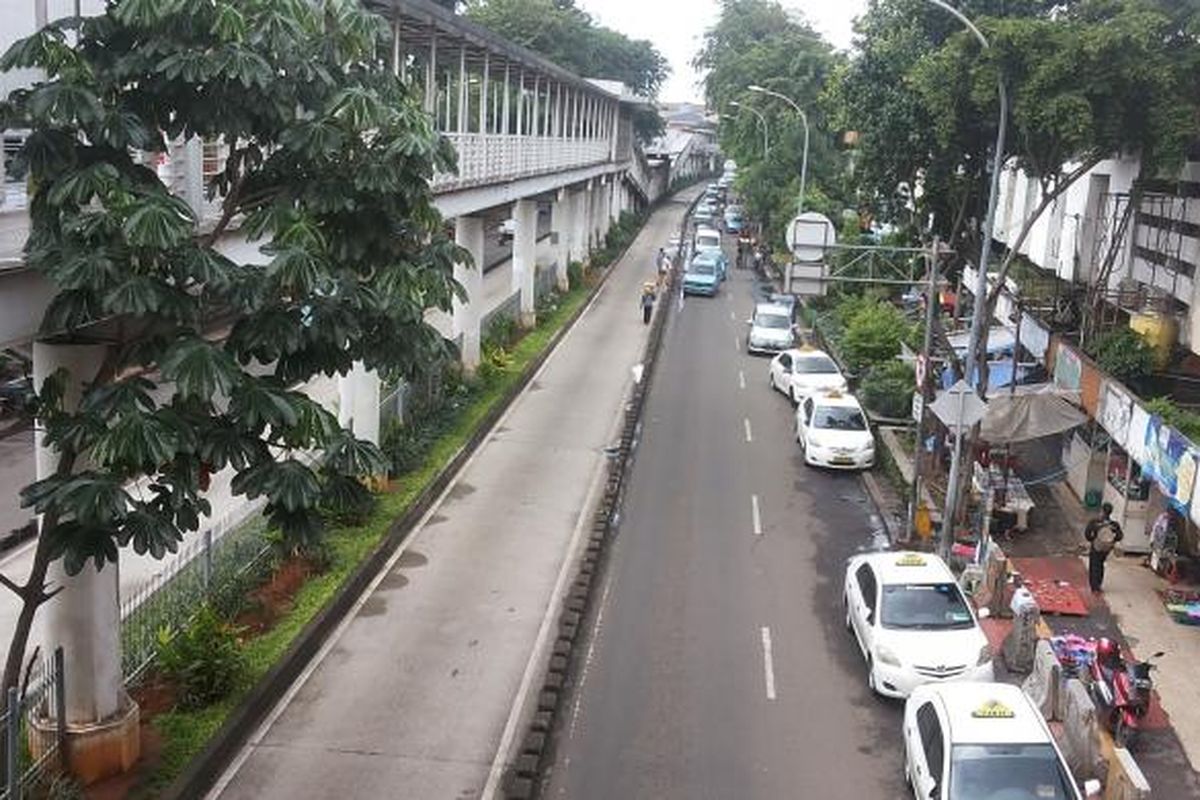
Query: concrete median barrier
x=1044 y=681
x=1081 y=742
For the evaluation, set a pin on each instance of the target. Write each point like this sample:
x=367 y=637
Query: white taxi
x=912 y=623
x=801 y=371
x=833 y=432
x=982 y=741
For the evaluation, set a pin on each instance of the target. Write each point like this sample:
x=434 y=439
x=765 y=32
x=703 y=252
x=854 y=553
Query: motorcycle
x=1121 y=690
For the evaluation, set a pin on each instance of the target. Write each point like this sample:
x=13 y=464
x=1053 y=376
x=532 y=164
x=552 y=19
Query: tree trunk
x=33 y=594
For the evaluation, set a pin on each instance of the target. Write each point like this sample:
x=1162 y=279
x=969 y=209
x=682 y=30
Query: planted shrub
x=887 y=389
x=1123 y=354
x=873 y=335
x=204 y=660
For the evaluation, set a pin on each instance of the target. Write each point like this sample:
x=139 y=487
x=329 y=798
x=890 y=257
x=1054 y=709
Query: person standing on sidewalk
x=1102 y=535
x=647 y=302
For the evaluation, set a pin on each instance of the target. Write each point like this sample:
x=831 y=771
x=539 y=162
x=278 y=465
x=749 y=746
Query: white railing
x=494 y=158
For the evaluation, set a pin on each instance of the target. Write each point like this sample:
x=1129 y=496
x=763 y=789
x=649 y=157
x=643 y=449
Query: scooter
x=1121 y=691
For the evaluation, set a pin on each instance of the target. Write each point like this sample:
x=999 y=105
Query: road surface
x=719 y=666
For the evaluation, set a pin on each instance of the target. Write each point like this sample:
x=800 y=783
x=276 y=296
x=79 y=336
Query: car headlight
x=985 y=655
x=885 y=655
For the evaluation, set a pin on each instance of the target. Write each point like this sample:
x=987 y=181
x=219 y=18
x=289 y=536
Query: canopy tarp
x=1029 y=413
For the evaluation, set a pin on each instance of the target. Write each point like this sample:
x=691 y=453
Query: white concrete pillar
x=614 y=198
x=85 y=617
x=581 y=241
x=524 y=261
x=560 y=226
x=358 y=402
x=468 y=234
x=595 y=219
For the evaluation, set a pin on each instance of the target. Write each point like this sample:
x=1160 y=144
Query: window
x=866 y=586
x=816 y=365
x=808 y=409
x=930 y=730
x=980 y=771
x=773 y=321
x=840 y=418
x=924 y=606
x=785 y=361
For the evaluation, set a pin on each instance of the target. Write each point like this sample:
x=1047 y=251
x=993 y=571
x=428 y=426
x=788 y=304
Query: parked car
x=800 y=372
x=701 y=277
x=832 y=430
x=15 y=395
x=714 y=257
x=771 y=329
x=912 y=623
x=983 y=740
x=702 y=217
x=707 y=239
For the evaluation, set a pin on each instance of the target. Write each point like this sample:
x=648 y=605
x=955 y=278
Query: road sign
x=918 y=406
x=958 y=407
x=807 y=279
x=809 y=235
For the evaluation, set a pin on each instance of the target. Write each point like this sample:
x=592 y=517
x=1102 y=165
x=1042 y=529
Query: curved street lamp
x=762 y=121
x=804 y=119
x=979 y=320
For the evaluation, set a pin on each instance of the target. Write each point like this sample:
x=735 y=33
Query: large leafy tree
x=328 y=166
x=759 y=42
x=569 y=37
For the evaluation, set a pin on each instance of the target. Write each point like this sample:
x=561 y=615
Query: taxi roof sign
x=911 y=560
x=993 y=709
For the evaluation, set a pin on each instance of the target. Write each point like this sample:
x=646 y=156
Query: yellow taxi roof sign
x=993 y=709
x=910 y=560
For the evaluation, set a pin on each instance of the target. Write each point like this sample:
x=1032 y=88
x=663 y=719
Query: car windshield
x=1011 y=771
x=707 y=243
x=839 y=418
x=776 y=321
x=814 y=365
x=927 y=606
x=702 y=268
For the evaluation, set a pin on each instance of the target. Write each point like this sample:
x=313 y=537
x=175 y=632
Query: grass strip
x=185 y=733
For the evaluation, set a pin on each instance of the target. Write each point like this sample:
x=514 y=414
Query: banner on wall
x=1034 y=337
x=1068 y=369
x=1116 y=408
x=1170 y=462
x=1135 y=439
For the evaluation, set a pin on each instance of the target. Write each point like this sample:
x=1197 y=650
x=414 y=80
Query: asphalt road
x=719 y=666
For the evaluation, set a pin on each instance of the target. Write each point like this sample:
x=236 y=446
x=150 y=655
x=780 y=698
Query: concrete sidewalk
x=414 y=696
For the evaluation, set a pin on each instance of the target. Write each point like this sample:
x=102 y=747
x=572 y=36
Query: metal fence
x=510 y=308
x=219 y=572
x=545 y=281
x=34 y=729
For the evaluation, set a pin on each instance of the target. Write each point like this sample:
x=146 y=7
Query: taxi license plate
x=843 y=460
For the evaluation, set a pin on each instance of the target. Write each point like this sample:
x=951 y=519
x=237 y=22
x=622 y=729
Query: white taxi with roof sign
x=912 y=623
x=982 y=741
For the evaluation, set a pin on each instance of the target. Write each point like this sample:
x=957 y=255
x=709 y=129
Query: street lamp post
x=804 y=119
x=979 y=320
x=762 y=121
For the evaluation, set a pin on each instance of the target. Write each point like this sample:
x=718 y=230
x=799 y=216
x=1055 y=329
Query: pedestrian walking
x=647 y=302
x=1102 y=535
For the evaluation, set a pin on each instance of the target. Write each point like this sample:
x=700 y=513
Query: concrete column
x=468 y=234
x=581 y=240
x=524 y=271
x=595 y=219
x=358 y=402
x=85 y=617
x=560 y=225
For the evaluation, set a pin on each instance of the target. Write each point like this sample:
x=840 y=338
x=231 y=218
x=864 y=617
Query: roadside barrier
x=1081 y=742
x=1045 y=680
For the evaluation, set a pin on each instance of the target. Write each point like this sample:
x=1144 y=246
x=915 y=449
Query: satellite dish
x=809 y=235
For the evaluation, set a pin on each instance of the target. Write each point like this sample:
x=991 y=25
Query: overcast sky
x=677 y=27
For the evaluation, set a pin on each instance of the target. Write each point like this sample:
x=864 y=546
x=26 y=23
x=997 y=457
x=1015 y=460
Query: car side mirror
x=1091 y=789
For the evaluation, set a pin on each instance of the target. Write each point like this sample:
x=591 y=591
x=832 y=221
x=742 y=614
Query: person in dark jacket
x=1102 y=535
x=647 y=302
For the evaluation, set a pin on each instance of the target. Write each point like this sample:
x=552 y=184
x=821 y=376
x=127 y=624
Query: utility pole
x=923 y=386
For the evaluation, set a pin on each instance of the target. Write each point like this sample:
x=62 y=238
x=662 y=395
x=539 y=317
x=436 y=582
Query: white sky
x=676 y=27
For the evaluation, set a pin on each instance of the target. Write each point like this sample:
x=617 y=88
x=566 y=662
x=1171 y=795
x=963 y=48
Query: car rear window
x=814 y=365
x=839 y=418
x=985 y=771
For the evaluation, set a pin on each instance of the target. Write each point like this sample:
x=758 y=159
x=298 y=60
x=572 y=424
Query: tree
x=327 y=168
x=758 y=42
x=570 y=38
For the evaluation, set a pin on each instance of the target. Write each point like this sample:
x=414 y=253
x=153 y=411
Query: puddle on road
x=393 y=580
x=374 y=606
x=411 y=558
x=461 y=490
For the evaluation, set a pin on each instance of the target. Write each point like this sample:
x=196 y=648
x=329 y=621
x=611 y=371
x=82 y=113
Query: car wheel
x=771 y=379
x=792 y=396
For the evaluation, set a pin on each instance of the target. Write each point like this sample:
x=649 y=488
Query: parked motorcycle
x=1121 y=690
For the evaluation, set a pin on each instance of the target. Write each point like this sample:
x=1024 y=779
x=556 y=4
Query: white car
x=771 y=329
x=833 y=432
x=707 y=239
x=983 y=740
x=912 y=623
x=800 y=372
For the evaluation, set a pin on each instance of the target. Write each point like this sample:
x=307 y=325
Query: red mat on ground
x=1059 y=583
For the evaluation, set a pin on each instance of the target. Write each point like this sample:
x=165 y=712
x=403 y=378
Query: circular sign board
x=809 y=234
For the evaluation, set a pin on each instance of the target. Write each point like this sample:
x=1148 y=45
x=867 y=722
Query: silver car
x=771 y=329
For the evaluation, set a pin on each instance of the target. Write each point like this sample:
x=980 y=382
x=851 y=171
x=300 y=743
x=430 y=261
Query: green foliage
x=887 y=389
x=328 y=159
x=204 y=661
x=569 y=37
x=575 y=274
x=873 y=335
x=1186 y=421
x=1123 y=354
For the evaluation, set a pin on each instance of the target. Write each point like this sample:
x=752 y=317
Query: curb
x=203 y=770
x=875 y=494
x=534 y=755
